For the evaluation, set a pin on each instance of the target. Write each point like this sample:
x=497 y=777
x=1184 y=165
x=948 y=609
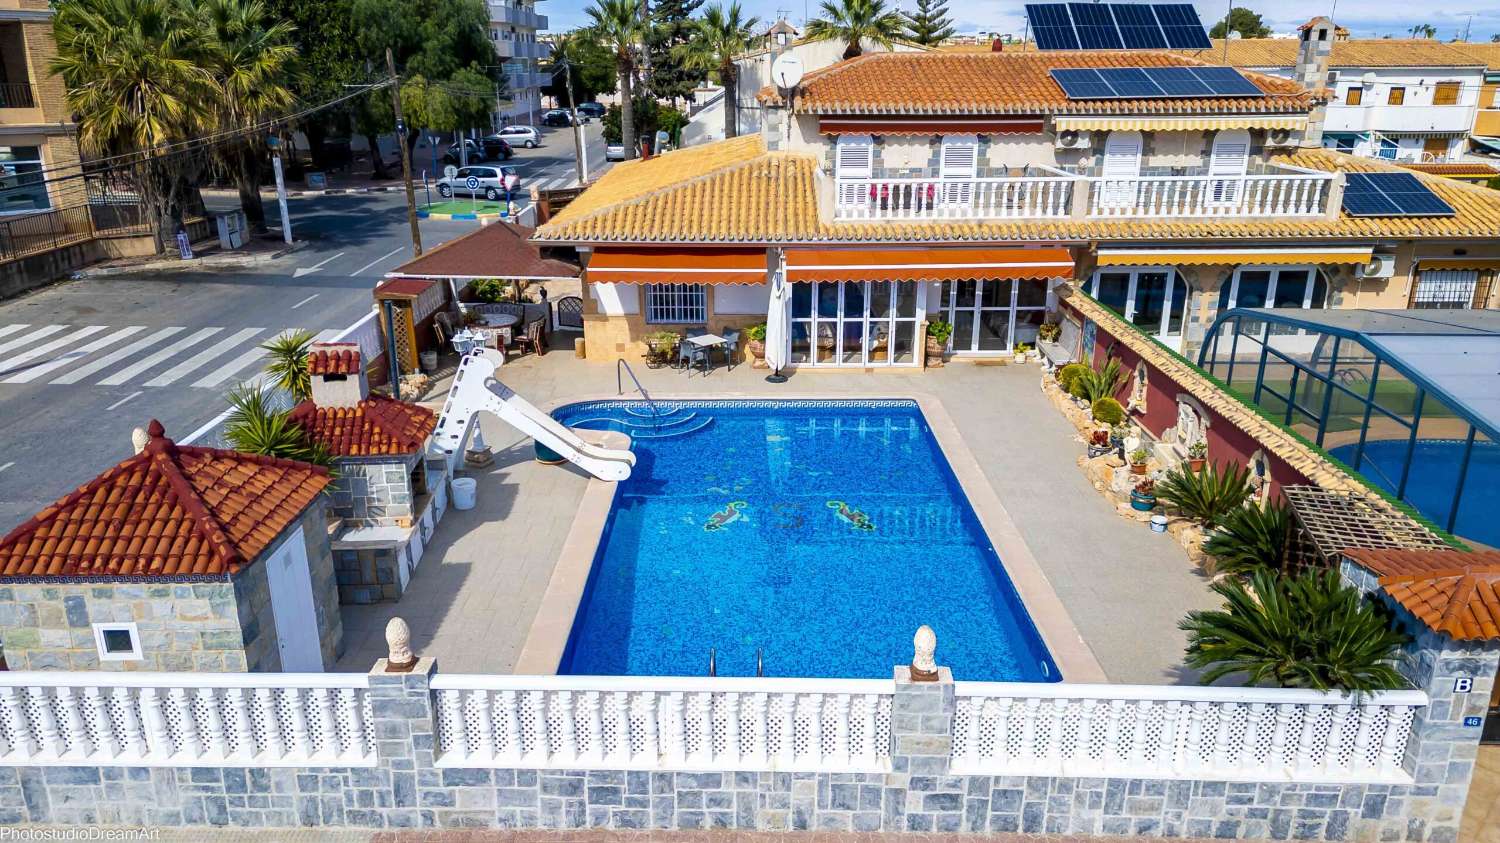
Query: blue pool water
x=822 y=533
x=1434 y=477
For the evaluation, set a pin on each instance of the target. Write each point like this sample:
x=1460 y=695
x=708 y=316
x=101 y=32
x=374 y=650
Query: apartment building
x=1485 y=136
x=514 y=25
x=36 y=131
x=900 y=188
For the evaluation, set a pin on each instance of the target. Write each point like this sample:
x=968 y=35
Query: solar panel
x=1052 y=25
x=1391 y=195
x=1095 y=27
x=1180 y=24
x=1363 y=199
x=1178 y=81
x=1227 y=82
x=1083 y=84
x=1131 y=82
x=1138 y=27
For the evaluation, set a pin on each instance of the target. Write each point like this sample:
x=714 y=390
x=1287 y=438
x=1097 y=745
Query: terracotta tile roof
x=1452 y=592
x=1364 y=52
x=1487 y=54
x=497 y=250
x=171 y=510
x=377 y=426
x=331 y=359
x=1008 y=83
x=736 y=192
x=1477 y=168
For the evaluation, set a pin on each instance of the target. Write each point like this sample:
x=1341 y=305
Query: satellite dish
x=786 y=71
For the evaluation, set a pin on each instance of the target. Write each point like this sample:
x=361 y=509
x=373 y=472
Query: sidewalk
x=207 y=256
x=316 y=835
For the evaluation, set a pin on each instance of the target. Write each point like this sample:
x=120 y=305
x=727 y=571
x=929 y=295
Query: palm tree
x=856 y=21
x=256 y=426
x=134 y=86
x=1309 y=631
x=717 y=38
x=287 y=365
x=618 y=24
x=250 y=58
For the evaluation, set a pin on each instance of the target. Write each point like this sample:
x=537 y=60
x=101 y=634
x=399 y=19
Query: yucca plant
x=1205 y=496
x=256 y=426
x=1251 y=538
x=1308 y=631
x=287 y=362
x=1094 y=384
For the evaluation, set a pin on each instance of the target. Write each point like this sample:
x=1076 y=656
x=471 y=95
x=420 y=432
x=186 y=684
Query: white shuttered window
x=958 y=165
x=854 y=161
x=1230 y=158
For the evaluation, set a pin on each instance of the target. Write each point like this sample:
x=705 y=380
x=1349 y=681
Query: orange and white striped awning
x=685 y=265
x=983 y=264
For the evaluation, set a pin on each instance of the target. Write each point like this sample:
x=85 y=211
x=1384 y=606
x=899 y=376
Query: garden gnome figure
x=398 y=639
x=924 y=645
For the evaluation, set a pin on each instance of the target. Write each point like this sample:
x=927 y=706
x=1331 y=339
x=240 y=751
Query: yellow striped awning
x=1290 y=122
x=1231 y=256
x=1458 y=263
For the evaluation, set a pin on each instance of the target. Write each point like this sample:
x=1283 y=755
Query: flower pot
x=428 y=360
x=934 y=356
x=1158 y=523
x=1098 y=450
x=1196 y=465
x=1020 y=357
x=757 y=354
x=1142 y=503
x=1138 y=468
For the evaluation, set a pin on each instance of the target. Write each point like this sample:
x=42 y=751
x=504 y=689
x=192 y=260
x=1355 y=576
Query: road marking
x=317 y=267
x=7 y=465
x=117 y=355
x=122 y=401
x=378 y=260
x=304 y=301
x=224 y=372
x=73 y=356
x=150 y=360
x=218 y=348
x=323 y=336
x=38 y=334
x=19 y=361
x=11 y=329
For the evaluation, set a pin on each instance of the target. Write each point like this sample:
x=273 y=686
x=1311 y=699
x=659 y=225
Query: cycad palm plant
x=618 y=24
x=1308 y=631
x=287 y=363
x=855 y=22
x=1205 y=496
x=1250 y=538
x=256 y=426
x=719 y=36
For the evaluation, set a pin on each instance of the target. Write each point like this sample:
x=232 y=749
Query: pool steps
x=642 y=424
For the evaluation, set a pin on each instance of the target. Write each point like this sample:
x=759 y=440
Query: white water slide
x=476 y=388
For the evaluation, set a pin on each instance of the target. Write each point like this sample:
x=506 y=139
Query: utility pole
x=411 y=195
x=580 y=150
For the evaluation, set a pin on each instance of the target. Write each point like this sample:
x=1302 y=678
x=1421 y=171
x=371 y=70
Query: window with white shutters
x=1122 y=165
x=853 y=165
x=958 y=164
x=1445 y=289
x=1230 y=158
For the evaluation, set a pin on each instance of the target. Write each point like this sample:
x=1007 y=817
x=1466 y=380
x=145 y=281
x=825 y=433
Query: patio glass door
x=855 y=323
x=990 y=317
x=1152 y=298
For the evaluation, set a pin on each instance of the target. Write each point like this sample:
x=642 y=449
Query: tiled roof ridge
x=163 y=454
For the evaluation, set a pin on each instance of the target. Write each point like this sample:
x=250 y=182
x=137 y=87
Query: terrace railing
x=16 y=95
x=1289 y=195
x=1247 y=734
x=185 y=719
x=1045 y=197
x=657 y=723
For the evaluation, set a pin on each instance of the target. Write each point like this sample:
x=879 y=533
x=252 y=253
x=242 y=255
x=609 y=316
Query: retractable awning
x=933 y=125
x=1230 y=256
x=927 y=264
x=1458 y=263
x=708 y=265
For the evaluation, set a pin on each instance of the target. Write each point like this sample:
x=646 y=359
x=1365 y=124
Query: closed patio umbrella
x=778 y=327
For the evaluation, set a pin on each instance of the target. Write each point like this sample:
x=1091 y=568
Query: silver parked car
x=526 y=136
x=490 y=182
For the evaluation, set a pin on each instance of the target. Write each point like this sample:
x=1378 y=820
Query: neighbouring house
x=388 y=493
x=897 y=189
x=178 y=559
x=514 y=25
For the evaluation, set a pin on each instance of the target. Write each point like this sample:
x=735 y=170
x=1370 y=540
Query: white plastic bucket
x=1158 y=522
x=463 y=492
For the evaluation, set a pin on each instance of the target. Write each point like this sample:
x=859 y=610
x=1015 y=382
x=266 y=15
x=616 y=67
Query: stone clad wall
x=372 y=491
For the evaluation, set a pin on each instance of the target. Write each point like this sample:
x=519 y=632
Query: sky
x=1364 y=18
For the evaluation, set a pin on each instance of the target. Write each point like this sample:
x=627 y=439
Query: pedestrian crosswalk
x=555 y=182
x=211 y=357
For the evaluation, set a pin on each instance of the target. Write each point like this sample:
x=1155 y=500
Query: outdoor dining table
x=499 y=320
x=706 y=343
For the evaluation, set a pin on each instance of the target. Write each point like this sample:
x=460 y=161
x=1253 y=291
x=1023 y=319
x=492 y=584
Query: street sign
x=471 y=183
x=450 y=171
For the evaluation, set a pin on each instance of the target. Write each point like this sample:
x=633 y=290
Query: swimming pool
x=819 y=533
x=1434 y=477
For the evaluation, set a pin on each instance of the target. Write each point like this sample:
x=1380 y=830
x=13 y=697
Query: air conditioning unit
x=1279 y=137
x=1071 y=139
x=1380 y=266
x=1333 y=76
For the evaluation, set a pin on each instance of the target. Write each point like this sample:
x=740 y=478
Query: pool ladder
x=713 y=658
x=623 y=368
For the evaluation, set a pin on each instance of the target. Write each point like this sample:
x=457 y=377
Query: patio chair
x=731 y=347
x=532 y=338
x=687 y=353
x=442 y=325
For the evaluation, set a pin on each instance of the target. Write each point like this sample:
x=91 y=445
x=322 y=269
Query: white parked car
x=490 y=182
x=526 y=136
x=614 y=152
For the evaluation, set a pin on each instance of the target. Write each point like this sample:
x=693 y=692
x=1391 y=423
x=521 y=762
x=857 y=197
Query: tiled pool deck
x=477 y=591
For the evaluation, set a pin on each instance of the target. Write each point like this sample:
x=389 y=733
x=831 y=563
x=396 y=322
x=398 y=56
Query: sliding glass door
x=1154 y=299
x=855 y=323
x=991 y=317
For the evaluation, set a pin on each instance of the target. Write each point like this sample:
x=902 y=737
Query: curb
x=425 y=215
x=337 y=191
x=224 y=260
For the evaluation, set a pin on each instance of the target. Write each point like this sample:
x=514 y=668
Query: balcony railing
x=1300 y=195
x=988 y=198
x=16 y=95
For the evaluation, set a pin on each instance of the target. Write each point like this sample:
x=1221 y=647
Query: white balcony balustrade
x=1243 y=734
x=981 y=198
x=1291 y=195
x=656 y=723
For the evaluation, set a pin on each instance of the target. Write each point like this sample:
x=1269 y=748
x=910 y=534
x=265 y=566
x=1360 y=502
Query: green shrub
x=255 y=426
x=1251 y=538
x=1094 y=384
x=490 y=289
x=1069 y=373
x=756 y=332
x=1205 y=496
x=1108 y=411
x=1308 y=631
x=940 y=331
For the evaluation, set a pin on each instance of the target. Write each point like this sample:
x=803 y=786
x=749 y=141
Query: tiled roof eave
x=1165 y=109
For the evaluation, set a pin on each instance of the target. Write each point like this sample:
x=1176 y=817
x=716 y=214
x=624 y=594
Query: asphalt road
x=83 y=362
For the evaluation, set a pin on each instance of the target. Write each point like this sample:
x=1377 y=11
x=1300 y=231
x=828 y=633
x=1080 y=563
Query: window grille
x=676 y=303
x=1445 y=289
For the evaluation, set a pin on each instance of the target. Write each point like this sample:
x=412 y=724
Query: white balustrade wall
x=979 y=198
x=185 y=719
x=663 y=723
x=1244 y=734
x=1299 y=195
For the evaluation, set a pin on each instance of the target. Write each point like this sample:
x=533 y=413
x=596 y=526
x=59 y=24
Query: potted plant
x=938 y=332
x=1099 y=443
x=659 y=348
x=756 y=336
x=1143 y=496
x=1138 y=459
x=1022 y=349
x=1197 y=455
x=1049 y=332
x=1117 y=434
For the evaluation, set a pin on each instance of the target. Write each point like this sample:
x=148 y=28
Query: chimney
x=338 y=374
x=1314 y=50
x=996 y=45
